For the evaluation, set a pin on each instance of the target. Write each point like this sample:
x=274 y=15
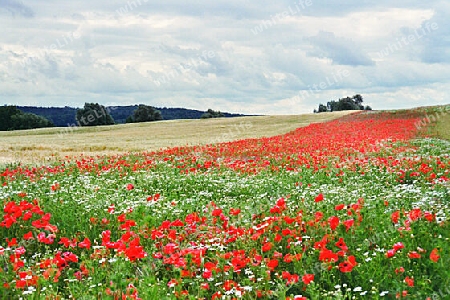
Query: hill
x=65 y=116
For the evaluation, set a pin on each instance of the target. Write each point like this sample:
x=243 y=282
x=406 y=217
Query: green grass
x=440 y=123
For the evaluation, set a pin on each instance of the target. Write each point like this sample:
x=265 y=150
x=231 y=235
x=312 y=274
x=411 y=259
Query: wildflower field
x=354 y=208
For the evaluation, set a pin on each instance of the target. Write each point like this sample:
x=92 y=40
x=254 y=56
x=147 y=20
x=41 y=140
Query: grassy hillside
x=440 y=122
x=48 y=144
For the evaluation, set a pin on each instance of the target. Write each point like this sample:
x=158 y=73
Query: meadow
x=354 y=207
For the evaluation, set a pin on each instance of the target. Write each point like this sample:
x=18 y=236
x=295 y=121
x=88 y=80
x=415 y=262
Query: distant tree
x=358 y=99
x=332 y=105
x=347 y=103
x=144 y=113
x=6 y=112
x=29 y=121
x=322 y=108
x=93 y=114
x=212 y=114
x=11 y=118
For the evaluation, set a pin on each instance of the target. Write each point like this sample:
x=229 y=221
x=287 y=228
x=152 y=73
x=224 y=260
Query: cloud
x=436 y=44
x=205 y=55
x=340 y=50
x=16 y=8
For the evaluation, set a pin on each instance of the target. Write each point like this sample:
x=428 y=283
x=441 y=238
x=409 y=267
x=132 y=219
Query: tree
x=93 y=114
x=212 y=114
x=29 y=121
x=347 y=103
x=144 y=113
x=6 y=112
x=358 y=99
x=11 y=118
x=332 y=106
x=322 y=108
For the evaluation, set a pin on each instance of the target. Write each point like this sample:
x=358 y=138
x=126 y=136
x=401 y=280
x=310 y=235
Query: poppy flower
x=86 y=243
x=217 y=212
x=409 y=281
x=204 y=286
x=413 y=254
x=390 y=253
x=235 y=211
x=334 y=222
x=28 y=235
x=348 y=265
x=207 y=274
x=319 y=198
x=267 y=246
x=398 y=246
x=272 y=264
x=308 y=278
x=339 y=207
x=348 y=224
x=327 y=255
x=434 y=256
x=341 y=244
x=395 y=216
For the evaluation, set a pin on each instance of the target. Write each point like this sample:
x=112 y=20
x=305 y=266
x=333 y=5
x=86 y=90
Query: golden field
x=41 y=146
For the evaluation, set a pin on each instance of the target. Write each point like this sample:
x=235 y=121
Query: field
x=41 y=146
x=350 y=208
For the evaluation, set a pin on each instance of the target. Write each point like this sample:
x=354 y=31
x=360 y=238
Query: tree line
x=11 y=118
x=347 y=103
x=94 y=114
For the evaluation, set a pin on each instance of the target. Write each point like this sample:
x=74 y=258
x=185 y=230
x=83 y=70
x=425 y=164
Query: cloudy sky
x=255 y=57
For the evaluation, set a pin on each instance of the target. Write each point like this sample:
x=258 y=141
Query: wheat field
x=45 y=145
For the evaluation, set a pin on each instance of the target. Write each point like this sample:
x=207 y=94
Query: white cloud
x=68 y=53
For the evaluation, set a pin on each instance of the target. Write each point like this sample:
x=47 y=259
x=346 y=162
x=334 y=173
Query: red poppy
x=28 y=236
x=334 y=222
x=86 y=243
x=272 y=264
x=390 y=253
x=348 y=265
x=395 y=216
x=398 y=246
x=267 y=246
x=217 y=212
x=327 y=255
x=434 y=256
x=413 y=254
x=415 y=214
x=339 y=207
x=308 y=278
x=319 y=198
x=341 y=244
x=229 y=284
x=409 y=281
x=235 y=211
x=204 y=286
x=348 y=224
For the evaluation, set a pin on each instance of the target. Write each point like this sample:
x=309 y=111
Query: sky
x=241 y=56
